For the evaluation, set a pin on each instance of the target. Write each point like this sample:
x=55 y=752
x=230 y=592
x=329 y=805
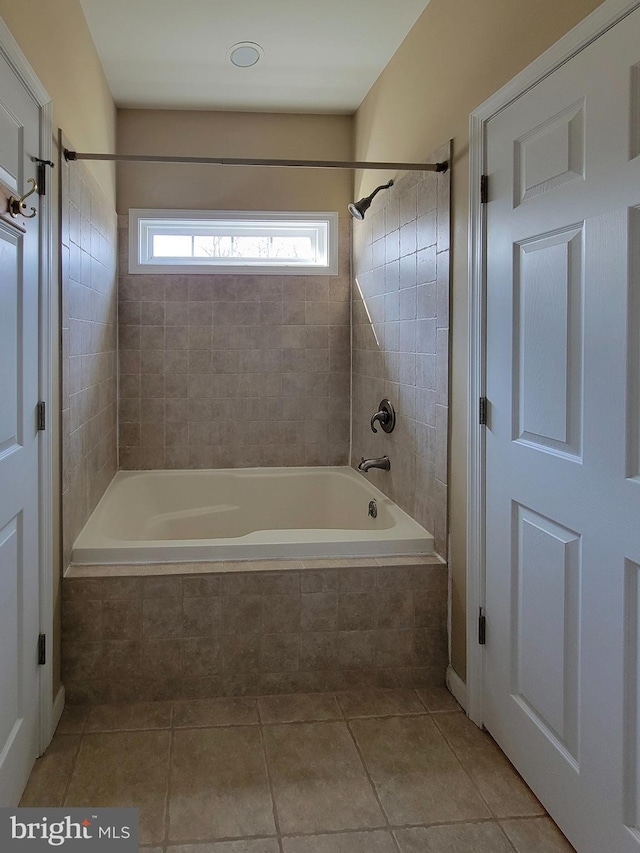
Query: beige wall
x=458 y=53
x=228 y=134
x=56 y=41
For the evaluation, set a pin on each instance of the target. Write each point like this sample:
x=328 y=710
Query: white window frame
x=144 y=223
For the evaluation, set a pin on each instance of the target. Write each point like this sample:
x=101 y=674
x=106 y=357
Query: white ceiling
x=319 y=55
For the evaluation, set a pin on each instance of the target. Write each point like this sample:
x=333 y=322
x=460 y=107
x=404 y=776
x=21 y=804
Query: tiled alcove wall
x=232 y=371
x=88 y=232
x=401 y=341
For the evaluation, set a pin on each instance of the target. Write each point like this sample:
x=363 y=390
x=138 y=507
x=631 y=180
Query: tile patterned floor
x=394 y=771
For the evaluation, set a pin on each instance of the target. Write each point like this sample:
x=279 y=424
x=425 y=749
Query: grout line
x=201 y=843
x=373 y=786
x=342 y=711
x=193 y=726
x=458 y=823
x=546 y=817
x=338 y=719
x=74 y=764
x=129 y=730
x=527 y=817
x=332 y=832
x=273 y=723
x=166 y=796
x=477 y=787
x=466 y=772
x=265 y=757
x=365 y=829
x=340 y=832
x=267 y=724
x=421 y=701
x=461 y=822
x=388 y=715
x=86 y=721
x=509 y=841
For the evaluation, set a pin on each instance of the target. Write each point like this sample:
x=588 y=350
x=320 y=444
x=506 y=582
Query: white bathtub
x=245 y=514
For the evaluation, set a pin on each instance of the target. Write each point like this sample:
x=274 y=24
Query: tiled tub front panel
x=253 y=633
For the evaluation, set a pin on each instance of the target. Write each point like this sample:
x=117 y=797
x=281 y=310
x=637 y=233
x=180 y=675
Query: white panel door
x=562 y=658
x=19 y=445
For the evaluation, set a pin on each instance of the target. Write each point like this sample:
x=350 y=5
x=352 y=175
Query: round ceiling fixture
x=245 y=54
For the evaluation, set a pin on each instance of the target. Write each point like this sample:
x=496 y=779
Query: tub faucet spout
x=382 y=462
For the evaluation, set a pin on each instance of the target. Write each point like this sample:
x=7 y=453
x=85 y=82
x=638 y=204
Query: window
x=203 y=241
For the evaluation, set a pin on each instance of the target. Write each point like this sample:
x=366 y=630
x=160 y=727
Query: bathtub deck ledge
x=83 y=570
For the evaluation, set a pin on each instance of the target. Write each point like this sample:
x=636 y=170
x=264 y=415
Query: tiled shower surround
x=233 y=371
x=88 y=229
x=401 y=341
x=239 y=371
x=375 y=623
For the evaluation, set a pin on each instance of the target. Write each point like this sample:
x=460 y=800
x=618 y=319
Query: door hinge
x=484 y=189
x=42 y=174
x=42 y=415
x=42 y=649
x=482 y=411
x=482 y=627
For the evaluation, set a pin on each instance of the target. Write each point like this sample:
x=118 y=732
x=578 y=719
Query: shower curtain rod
x=237 y=161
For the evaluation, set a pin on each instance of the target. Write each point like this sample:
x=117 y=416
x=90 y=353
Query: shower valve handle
x=381 y=417
x=385 y=416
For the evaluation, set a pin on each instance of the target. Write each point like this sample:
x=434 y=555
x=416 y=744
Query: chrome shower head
x=358 y=208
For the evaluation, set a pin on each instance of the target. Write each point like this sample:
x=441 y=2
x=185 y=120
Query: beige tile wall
x=401 y=341
x=252 y=633
x=231 y=371
x=88 y=233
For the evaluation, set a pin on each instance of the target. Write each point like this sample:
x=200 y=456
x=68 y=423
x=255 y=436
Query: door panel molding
x=548 y=297
x=544 y=679
x=550 y=155
x=592 y=27
x=48 y=332
x=633 y=364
